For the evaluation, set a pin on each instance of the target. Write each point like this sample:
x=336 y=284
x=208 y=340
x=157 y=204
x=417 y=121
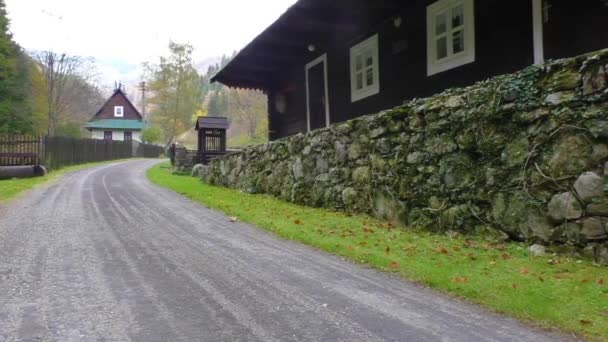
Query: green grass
x=551 y=292
x=11 y=188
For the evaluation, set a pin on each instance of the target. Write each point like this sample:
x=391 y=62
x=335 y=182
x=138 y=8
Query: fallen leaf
x=515 y=286
x=585 y=281
x=600 y=281
x=388 y=249
x=505 y=256
x=462 y=280
x=297 y=222
x=585 y=322
x=541 y=279
x=441 y=250
x=524 y=271
x=233 y=219
x=393 y=264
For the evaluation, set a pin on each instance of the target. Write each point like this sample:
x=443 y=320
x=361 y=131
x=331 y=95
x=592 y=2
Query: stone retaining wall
x=184 y=159
x=523 y=154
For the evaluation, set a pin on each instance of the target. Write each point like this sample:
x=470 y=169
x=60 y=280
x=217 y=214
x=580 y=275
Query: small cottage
x=117 y=119
x=324 y=62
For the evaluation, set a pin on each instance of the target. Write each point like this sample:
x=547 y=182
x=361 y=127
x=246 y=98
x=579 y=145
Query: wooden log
x=10 y=172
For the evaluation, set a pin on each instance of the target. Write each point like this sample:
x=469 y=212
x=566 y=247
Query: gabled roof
x=116 y=124
x=321 y=23
x=213 y=122
x=118 y=98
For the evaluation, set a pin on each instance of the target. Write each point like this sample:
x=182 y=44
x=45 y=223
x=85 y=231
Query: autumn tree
x=176 y=92
x=247 y=107
x=60 y=72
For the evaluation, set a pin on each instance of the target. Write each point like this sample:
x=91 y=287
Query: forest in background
x=43 y=92
x=179 y=94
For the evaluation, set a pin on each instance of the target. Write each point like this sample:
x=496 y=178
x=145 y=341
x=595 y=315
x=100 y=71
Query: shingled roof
x=212 y=122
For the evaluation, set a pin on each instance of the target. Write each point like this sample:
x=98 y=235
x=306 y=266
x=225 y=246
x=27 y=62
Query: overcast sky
x=121 y=34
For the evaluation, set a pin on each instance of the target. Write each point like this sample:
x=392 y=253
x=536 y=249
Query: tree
x=60 y=71
x=151 y=135
x=14 y=114
x=176 y=90
x=248 y=107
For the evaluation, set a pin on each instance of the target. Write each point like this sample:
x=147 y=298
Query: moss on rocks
x=504 y=154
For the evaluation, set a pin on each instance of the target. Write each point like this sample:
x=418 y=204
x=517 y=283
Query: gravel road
x=104 y=255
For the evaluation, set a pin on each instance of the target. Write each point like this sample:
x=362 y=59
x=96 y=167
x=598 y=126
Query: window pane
x=359 y=62
x=359 y=81
x=458 y=41
x=369 y=77
x=457 y=16
x=369 y=60
x=442 y=48
x=440 y=24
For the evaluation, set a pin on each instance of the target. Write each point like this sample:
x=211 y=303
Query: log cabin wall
x=575 y=27
x=504 y=44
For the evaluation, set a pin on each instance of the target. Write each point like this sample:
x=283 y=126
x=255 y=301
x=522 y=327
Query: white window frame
x=118 y=109
x=370 y=43
x=322 y=59
x=435 y=66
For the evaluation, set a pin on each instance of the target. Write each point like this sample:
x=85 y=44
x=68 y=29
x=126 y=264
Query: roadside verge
x=550 y=291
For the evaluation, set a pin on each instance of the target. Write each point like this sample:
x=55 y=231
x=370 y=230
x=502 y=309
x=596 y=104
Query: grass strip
x=11 y=188
x=550 y=291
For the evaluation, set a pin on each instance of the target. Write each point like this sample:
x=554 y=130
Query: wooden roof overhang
x=212 y=122
x=286 y=42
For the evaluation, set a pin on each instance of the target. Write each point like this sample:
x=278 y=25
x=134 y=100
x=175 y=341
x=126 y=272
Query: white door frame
x=322 y=59
x=538 y=23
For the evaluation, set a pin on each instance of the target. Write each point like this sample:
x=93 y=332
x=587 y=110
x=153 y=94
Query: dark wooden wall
x=504 y=44
x=118 y=99
x=575 y=27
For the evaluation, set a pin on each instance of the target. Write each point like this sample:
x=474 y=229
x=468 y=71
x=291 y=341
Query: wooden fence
x=18 y=150
x=57 y=152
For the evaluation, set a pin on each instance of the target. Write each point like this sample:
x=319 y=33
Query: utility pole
x=142 y=87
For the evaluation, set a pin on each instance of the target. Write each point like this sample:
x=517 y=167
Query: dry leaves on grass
x=441 y=250
x=460 y=280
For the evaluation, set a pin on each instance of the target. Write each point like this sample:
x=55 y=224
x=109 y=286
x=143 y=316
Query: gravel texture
x=104 y=255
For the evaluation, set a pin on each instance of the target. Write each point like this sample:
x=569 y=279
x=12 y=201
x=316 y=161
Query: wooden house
x=117 y=119
x=324 y=61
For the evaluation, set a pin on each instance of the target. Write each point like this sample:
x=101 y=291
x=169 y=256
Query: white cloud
x=121 y=34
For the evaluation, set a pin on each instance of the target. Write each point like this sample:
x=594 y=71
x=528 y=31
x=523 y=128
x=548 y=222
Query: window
x=128 y=136
x=364 y=69
x=107 y=135
x=451 y=35
x=119 y=111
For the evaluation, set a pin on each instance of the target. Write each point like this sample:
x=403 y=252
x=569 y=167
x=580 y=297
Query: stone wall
x=523 y=154
x=184 y=159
